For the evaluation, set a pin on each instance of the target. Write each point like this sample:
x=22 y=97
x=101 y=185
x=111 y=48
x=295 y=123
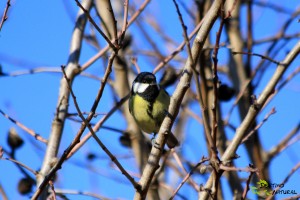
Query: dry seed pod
x=13 y=139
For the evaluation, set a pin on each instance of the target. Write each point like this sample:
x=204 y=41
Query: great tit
x=148 y=104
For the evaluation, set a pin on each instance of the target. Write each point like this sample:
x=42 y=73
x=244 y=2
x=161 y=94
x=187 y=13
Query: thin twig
x=177 y=50
x=237 y=169
x=281 y=148
x=21 y=164
x=277 y=37
x=59 y=119
x=105 y=149
x=4 y=17
x=285 y=180
x=46 y=70
x=97 y=126
x=272 y=111
x=237 y=99
x=124 y=21
x=52 y=190
x=214 y=126
x=284 y=28
x=292 y=197
x=148 y=37
x=283 y=83
x=255 y=109
x=282 y=144
x=134 y=62
x=245 y=86
x=2 y=192
x=86 y=113
x=18 y=164
x=193 y=114
x=187 y=10
x=25 y=128
x=204 y=115
x=187 y=177
x=177 y=159
x=277 y=8
x=247 y=184
x=79 y=192
x=105 y=49
x=80 y=131
x=96 y=26
x=185 y=35
x=159 y=30
x=176 y=100
x=259 y=55
x=249 y=41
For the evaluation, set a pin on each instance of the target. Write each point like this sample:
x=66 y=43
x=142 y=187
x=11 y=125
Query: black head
x=145 y=85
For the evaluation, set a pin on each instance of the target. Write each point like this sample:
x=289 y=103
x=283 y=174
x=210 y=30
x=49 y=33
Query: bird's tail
x=172 y=141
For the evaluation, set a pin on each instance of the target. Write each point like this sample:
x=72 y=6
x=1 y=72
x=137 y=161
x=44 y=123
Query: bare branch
x=52 y=189
x=82 y=128
x=97 y=126
x=272 y=111
x=177 y=50
x=187 y=177
x=21 y=164
x=79 y=192
x=47 y=70
x=97 y=27
x=2 y=192
x=176 y=99
x=292 y=197
x=63 y=99
x=247 y=185
x=254 y=110
x=256 y=54
x=214 y=123
x=285 y=180
x=290 y=77
x=86 y=122
x=4 y=17
x=272 y=6
x=207 y=128
x=283 y=144
x=277 y=37
x=175 y=155
x=25 y=128
x=125 y=21
x=248 y=169
x=101 y=52
x=134 y=62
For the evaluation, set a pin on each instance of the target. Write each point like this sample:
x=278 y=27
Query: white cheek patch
x=140 y=87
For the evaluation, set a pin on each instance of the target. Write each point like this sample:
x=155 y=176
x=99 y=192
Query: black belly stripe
x=150 y=109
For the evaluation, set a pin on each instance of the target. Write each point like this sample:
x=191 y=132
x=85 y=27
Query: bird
x=148 y=104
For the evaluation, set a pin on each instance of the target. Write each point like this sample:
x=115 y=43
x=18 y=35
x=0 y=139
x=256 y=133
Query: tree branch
x=4 y=17
x=176 y=100
x=63 y=97
x=25 y=128
x=254 y=110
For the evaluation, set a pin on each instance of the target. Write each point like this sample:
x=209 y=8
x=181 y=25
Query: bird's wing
x=130 y=101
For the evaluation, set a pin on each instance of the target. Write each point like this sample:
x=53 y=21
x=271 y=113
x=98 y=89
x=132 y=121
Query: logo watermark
x=263 y=188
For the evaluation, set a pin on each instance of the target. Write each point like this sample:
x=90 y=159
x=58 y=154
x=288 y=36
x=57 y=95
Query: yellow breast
x=149 y=118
